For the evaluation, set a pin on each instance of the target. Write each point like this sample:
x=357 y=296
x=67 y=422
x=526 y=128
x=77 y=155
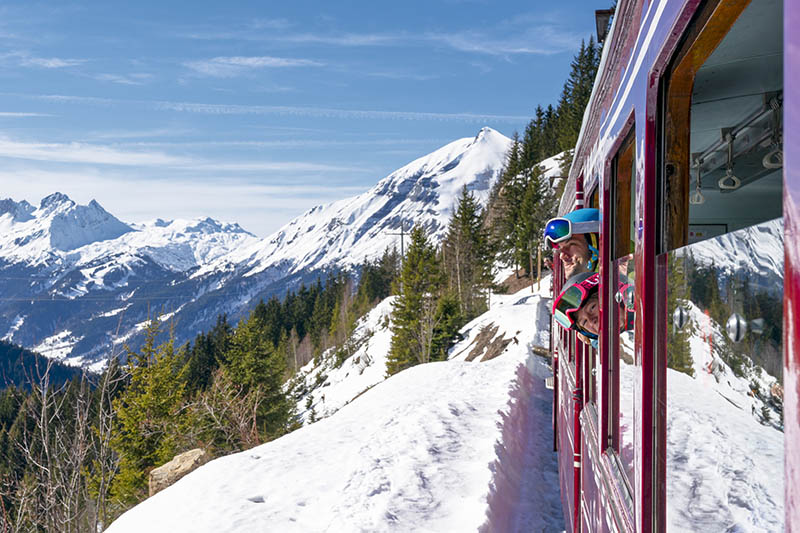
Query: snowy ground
x=448 y=446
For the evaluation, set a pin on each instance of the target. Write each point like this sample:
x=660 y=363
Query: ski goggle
x=559 y=230
x=569 y=302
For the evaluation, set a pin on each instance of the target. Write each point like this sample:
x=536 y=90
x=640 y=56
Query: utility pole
x=402 y=250
x=402 y=242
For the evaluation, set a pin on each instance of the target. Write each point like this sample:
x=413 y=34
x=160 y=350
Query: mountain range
x=78 y=284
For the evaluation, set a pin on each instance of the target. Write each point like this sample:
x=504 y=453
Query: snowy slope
x=552 y=168
x=343 y=233
x=325 y=388
x=448 y=446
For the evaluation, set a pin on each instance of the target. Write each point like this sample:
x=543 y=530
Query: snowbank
x=448 y=446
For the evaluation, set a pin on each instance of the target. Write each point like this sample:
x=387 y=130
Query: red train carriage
x=690 y=421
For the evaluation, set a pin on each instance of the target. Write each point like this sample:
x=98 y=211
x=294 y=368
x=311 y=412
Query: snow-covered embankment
x=450 y=446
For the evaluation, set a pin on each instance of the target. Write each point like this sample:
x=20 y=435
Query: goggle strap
x=589 y=226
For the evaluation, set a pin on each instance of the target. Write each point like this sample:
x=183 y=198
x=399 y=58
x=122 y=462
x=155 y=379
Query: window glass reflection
x=725 y=382
x=626 y=343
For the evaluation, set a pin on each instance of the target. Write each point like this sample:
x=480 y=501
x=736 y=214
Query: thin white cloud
x=401 y=75
x=83 y=153
x=271 y=166
x=269 y=24
x=129 y=79
x=283 y=143
x=138 y=134
x=23 y=114
x=50 y=62
x=235 y=109
x=227 y=67
x=531 y=38
x=542 y=40
x=105 y=155
x=307 y=111
x=345 y=39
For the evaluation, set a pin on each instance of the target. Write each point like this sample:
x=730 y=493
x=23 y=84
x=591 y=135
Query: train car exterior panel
x=628 y=96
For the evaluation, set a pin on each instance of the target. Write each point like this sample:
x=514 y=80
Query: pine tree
x=466 y=256
x=537 y=207
x=448 y=320
x=255 y=363
x=576 y=93
x=414 y=311
x=148 y=416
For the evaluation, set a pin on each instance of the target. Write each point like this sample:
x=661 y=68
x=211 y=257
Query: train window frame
x=674 y=179
x=618 y=211
x=590 y=353
x=711 y=24
x=594 y=198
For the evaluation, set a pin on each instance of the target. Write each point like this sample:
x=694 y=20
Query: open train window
x=619 y=293
x=721 y=269
x=723 y=123
x=590 y=351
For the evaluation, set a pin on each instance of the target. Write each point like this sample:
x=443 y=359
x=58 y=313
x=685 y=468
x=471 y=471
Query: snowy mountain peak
x=55 y=200
x=73 y=225
x=486 y=134
x=205 y=226
x=345 y=233
x=19 y=211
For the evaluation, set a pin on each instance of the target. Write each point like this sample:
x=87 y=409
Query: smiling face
x=588 y=316
x=574 y=255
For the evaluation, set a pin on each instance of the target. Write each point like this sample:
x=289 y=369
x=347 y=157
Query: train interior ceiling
x=736 y=109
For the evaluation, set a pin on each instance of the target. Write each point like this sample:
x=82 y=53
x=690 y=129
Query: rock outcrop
x=167 y=474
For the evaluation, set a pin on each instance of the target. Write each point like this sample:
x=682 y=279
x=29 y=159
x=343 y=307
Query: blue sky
x=253 y=112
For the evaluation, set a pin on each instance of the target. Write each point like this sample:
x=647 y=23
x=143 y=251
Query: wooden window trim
x=711 y=25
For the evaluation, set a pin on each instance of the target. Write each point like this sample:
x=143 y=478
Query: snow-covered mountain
x=343 y=233
x=61 y=234
x=77 y=283
x=37 y=235
x=754 y=253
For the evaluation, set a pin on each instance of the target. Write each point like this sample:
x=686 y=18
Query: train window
x=723 y=244
x=724 y=124
x=621 y=294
